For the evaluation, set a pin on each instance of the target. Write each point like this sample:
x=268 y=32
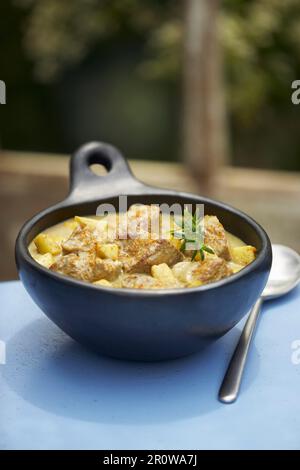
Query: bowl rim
x=21 y=248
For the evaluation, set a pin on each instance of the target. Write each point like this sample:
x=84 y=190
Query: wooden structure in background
x=31 y=182
x=204 y=134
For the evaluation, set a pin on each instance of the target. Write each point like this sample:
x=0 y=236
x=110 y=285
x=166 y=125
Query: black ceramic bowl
x=130 y=323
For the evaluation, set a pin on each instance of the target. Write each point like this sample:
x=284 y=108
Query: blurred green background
x=112 y=70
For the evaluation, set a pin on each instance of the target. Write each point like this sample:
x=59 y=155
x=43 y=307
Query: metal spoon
x=284 y=276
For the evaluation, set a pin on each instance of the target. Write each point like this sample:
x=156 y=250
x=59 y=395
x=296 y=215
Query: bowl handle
x=86 y=185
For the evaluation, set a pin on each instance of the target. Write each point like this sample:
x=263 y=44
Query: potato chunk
x=243 y=255
x=99 y=224
x=108 y=250
x=165 y=275
x=47 y=244
x=182 y=270
x=71 y=224
x=45 y=260
x=86 y=221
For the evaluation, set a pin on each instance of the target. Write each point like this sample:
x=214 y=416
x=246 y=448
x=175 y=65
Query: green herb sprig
x=189 y=226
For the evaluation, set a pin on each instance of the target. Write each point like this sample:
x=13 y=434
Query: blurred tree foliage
x=61 y=33
x=261 y=40
x=261 y=46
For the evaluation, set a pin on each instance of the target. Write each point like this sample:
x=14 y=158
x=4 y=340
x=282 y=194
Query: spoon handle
x=232 y=380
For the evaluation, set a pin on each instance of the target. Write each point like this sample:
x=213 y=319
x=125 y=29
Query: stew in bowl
x=94 y=249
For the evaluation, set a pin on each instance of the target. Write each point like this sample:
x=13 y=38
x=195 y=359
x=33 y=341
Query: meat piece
x=215 y=236
x=79 y=266
x=140 y=281
x=87 y=267
x=139 y=255
x=81 y=239
x=107 y=269
x=209 y=270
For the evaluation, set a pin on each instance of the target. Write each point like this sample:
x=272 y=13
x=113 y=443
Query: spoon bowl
x=285 y=272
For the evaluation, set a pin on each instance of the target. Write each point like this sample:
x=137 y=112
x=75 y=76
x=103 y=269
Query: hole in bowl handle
x=84 y=184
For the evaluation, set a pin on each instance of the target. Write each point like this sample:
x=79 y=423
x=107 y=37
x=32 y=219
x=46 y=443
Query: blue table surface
x=54 y=394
